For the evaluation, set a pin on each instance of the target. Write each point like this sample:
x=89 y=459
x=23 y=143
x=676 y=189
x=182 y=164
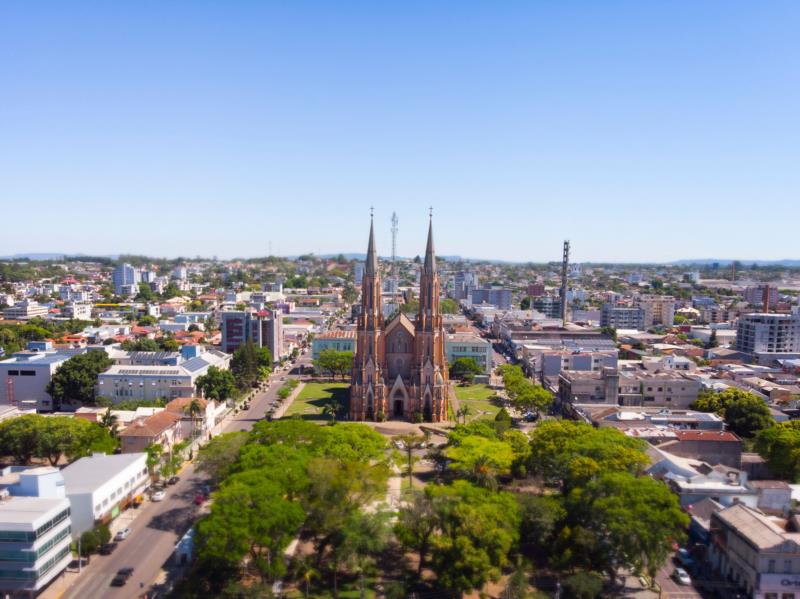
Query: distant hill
x=728 y=262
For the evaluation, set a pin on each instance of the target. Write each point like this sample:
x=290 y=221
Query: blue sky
x=638 y=130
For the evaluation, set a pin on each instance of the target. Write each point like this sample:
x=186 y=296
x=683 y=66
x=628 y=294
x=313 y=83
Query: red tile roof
x=706 y=436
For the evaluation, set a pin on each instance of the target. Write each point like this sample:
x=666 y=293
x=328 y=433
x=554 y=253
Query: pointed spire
x=371 y=263
x=430 y=253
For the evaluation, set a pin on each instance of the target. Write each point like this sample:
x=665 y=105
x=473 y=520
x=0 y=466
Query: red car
x=199 y=499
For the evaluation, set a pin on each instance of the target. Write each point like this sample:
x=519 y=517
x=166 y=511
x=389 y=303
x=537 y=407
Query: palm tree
x=408 y=443
x=308 y=574
x=330 y=409
x=194 y=408
x=109 y=421
x=463 y=412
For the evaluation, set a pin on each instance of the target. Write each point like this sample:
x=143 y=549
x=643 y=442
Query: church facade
x=400 y=369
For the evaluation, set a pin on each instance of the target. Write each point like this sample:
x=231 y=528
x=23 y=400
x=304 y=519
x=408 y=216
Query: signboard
x=779 y=582
x=114 y=512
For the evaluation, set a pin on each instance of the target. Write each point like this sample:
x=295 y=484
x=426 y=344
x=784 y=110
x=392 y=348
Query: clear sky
x=639 y=130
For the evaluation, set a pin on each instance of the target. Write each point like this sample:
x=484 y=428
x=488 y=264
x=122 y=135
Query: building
x=469 y=345
x=761 y=295
x=535 y=289
x=548 y=305
x=776 y=334
x=128 y=382
x=714 y=447
x=25 y=310
x=163 y=428
x=612 y=387
x=35 y=538
x=400 y=367
x=622 y=317
x=100 y=486
x=264 y=328
x=358 y=274
x=553 y=362
x=494 y=296
x=756 y=552
x=78 y=311
x=658 y=310
x=463 y=283
x=125 y=279
x=335 y=340
x=25 y=375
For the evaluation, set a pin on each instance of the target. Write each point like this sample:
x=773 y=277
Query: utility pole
x=564 y=268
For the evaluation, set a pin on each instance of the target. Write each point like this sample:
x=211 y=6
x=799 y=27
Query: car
x=122 y=534
x=173 y=480
x=119 y=581
x=107 y=548
x=158 y=495
x=681 y=576
x=126 y=572
x=199 y=499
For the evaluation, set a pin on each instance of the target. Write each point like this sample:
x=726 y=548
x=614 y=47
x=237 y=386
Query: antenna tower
x=395 y=281
x=564 y=269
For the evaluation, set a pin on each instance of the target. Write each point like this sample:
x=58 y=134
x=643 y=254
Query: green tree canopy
x=780 y=446
x=464 y=369
x=76 y=379
x=216 y=383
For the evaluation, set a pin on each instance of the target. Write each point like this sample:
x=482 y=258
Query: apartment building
x=495 y=296
x=25 y=310
x=612 y=387
x=769 y=333
x=761 y=294
x=469 y=345
x=658 y=310
x=125 y=279
x=264 y=328
x=622 y=317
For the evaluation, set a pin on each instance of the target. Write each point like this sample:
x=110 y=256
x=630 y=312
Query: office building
x=25 y=376
x=760 y=295
x=658 y=310
x=463 y=283
x=494 y=296
x=358 y=274
x=548 y=305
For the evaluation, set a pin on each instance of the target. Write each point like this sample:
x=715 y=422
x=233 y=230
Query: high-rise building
x=463 y=283
x=769 y=333
x=495 y=296
x=263 y=328
x=755 y=296
x=400 y=369
x=622 y=317
x=125 y=279
x=658 y=310
x=358 y=273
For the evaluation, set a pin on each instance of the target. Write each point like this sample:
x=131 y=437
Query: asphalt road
x=671 y=589
x=158 y=526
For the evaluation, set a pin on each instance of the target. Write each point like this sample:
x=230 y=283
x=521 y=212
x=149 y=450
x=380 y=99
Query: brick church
x=399 y=369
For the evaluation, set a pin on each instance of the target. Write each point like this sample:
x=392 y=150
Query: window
x=771 y=566
x=27 y=372
x=13 y=373
x=787 y=566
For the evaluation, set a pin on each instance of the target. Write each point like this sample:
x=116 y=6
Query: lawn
x=309 y=403
x=476 y=397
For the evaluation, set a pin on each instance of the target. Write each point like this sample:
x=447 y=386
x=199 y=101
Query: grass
x=313 y=397
x=477 y=399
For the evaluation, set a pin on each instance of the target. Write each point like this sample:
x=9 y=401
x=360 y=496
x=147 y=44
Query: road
x=671 y=589
x=158 y=526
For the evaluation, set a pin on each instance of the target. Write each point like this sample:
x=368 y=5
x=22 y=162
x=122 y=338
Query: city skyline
x=189 y=129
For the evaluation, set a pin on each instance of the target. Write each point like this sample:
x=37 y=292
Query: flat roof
x=89 y=473
x=26 y=510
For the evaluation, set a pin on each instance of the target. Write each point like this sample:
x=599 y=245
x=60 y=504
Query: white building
x=125 y=279
x=769 y=333
x=25 y=377
x=100 y=486
x=77 y=311
x=123 y=382
x=25 y=310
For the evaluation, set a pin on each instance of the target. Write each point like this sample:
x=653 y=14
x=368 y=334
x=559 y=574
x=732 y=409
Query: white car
x=122 y=534
x=158 y=495
x=681 y=576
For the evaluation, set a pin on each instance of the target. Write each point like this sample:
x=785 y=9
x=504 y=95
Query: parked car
x=199 y=499
x=681 y=576
x=126 y=572
x=122 y=534
x=107 y=548
x=119 y=581
x=158 y=495
x=173 y=480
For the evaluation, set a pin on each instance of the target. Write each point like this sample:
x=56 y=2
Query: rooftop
x=25 y=510
x=707 y=436
x=89 y=473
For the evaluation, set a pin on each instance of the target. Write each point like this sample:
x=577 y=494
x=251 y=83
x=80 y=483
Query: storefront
x=778 y=586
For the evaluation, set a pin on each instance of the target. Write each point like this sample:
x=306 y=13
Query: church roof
x=371 y=263
x=430 y=253
x=401 y=320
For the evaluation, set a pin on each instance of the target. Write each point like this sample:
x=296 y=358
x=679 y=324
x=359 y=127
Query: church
x=399 y=369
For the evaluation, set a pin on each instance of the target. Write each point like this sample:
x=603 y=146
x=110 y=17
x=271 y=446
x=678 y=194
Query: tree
x=76 y=379
x=143 y=344
x=748 y=415
x=634 y=520
x=482 y=459
x=147 y=321
x=408 y=443
x=216 y=384
x=330 y=409
x=780 y=446
x=583 y=585
x=145 y=293
x=195 y=410
x=476 y=530
x=449 y=306
x=219 y=455
x=155 y=454
x=249 y=364
x=416 y=524
x=363 y=536
x=540 y=518
x=465 y=369
x=334 y=362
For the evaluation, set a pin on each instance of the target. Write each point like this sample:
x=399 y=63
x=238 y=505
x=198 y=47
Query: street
x=158 y=526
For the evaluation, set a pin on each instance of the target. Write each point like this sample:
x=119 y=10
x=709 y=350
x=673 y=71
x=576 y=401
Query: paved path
x=156 y=527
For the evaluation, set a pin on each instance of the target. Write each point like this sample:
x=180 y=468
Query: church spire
x=430 y=253
x=371 y=263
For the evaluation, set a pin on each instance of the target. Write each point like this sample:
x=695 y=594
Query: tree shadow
x=176 y=520
x=339 y=395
